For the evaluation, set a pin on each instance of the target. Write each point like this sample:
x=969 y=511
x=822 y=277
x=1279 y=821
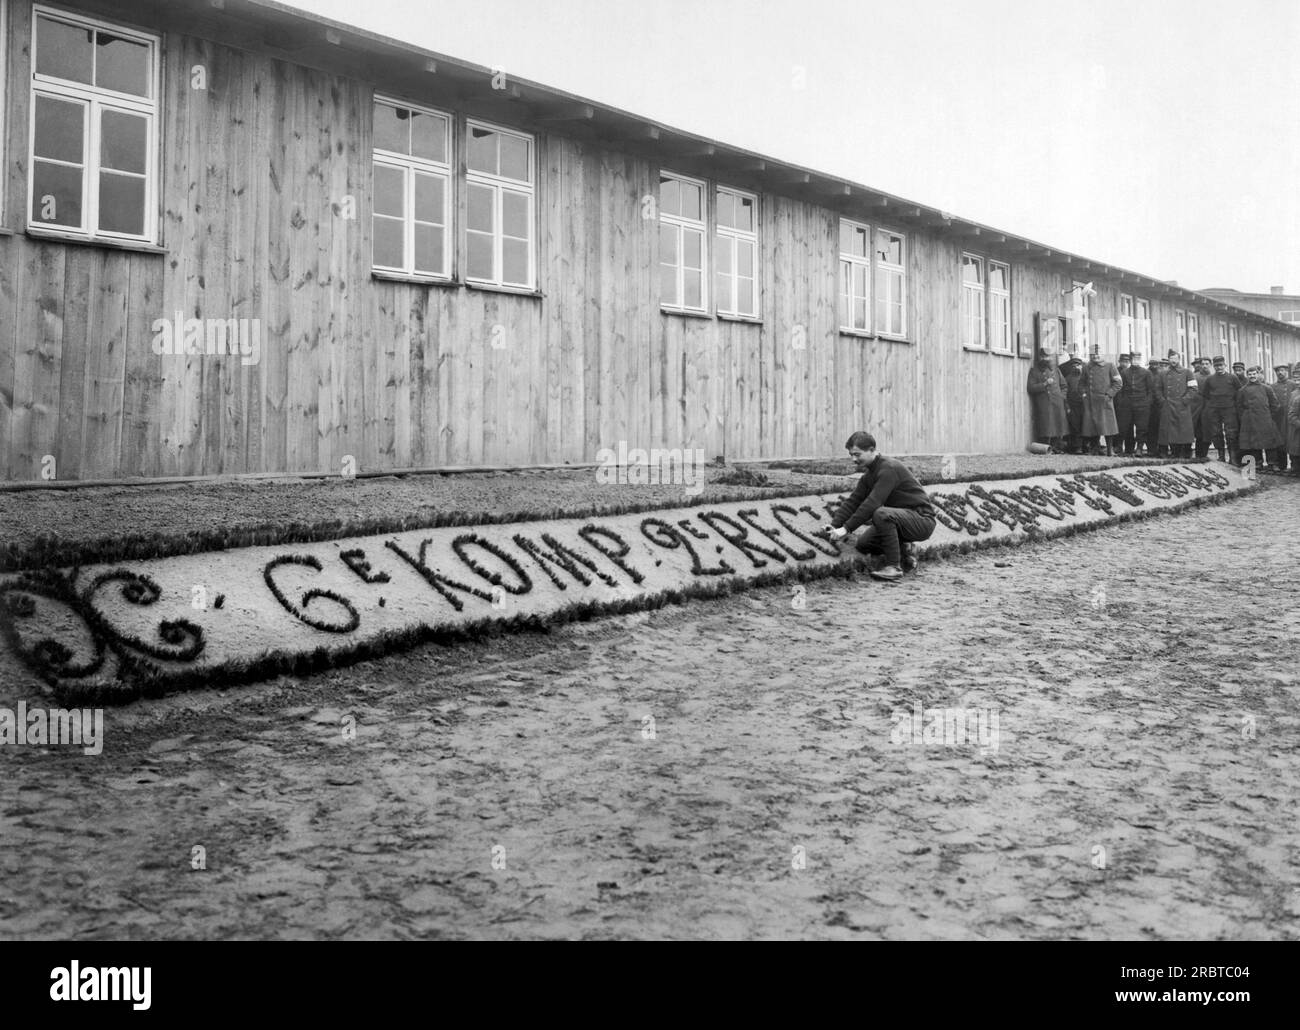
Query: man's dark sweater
x=886 y=484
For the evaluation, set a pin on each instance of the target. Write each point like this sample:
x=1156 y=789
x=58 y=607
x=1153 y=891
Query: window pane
x=971 y=272
x=745 y=213
x=480 y=208
x=669 y=196
x=428 y=250
x=390 y=191
x=429 y=136
x=860 y=314
x=121 y=64
x=121 y=203
x=391 y=128
x=998 y=277
x=846 y=238
x=56 y=194
x=124 y=141
x=63 y=51
x=726 y=213
x=514 y=255
x=694 y=283
x=514 y=215
x=889 y=248
x=480 y=255
x=745 y=258
x=388 y=242
x=59 y=126
x=668 y=244
x=691 y=200
x=482 y=156
x=722 y=288
x=693 y=244
x=745 y=296
x=859 y=280
x=668 y=285
x=514 y=158
x=430 y=193
x=723 y=258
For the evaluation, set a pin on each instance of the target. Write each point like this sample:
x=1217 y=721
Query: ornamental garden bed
x=114 y=629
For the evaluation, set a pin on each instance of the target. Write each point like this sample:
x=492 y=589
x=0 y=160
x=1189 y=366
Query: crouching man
x=890 y=503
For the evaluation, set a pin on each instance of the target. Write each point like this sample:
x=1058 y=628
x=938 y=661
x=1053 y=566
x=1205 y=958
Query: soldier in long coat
x=1072 y=371
x=1177 y=386
x=1133 y=405
x=1256 y=406
x=1200 y=417
x=1047 y=402
x=1284 y=387
x=1293 y=425
x=1097 y=388
x=1156 y=368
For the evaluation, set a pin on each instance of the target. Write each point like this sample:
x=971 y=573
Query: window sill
x=1004 y=353
x=513 y=291
x=5 y=232
x=82 y=241
x=414 y=280
x=975 y=350
x=680 y=313
x=860 y=334
x=889 y=338
x=744 y=319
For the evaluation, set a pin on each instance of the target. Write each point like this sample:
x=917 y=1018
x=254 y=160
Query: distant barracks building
x=235 y=238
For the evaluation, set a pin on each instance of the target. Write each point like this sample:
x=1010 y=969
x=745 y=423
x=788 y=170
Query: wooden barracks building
x=237 y=238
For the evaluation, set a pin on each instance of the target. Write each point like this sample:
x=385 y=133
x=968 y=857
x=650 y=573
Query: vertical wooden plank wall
x=261 y=170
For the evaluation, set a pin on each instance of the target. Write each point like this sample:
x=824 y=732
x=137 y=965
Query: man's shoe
x=890 y=573
x=909 y=557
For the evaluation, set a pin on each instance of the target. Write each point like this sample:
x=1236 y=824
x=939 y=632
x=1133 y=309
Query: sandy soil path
x=1145 y=680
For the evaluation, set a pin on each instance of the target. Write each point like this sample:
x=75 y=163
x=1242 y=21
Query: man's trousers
x=891 y=527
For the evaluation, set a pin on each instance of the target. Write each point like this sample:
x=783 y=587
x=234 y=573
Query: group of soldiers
x=1166 y=410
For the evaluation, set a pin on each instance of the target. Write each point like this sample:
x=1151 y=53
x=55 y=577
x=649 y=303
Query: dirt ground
x=1145 y=784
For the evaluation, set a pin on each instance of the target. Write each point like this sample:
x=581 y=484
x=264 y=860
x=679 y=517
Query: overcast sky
x=1162 y=136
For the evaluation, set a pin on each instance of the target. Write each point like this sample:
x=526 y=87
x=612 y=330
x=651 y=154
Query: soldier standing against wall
x=1284 y=387
x=1073 y=371
x=1221 y=409
x=1047 y=402
x=1177 y=388
x=1200 y=420
x=1256 y=412
x=1098 y=385
x=1140 y=393
x=1293 y=423
x=1156 y=369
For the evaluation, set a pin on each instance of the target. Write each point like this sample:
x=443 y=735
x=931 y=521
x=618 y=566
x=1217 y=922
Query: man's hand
x=836 y=534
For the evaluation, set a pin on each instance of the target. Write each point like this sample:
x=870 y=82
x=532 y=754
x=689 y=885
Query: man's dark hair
x=863 y=441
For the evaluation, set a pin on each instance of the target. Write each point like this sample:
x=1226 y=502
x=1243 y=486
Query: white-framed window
x=1143 y=318
x=1259 y=347
x=1223 y=338
x=891 y=283
x=93 y=150
x=1127 y=336
x=972 y=303
x=1267 y=363
x=500 y=196
x=1000 y=307
x=1234 y=345
x=682 y=244
x=411 y=213
x=855 y=277
x=736 y=252
x=1292 y=317
x=1180 y=334
x=4 y=97
x=1193 y=335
